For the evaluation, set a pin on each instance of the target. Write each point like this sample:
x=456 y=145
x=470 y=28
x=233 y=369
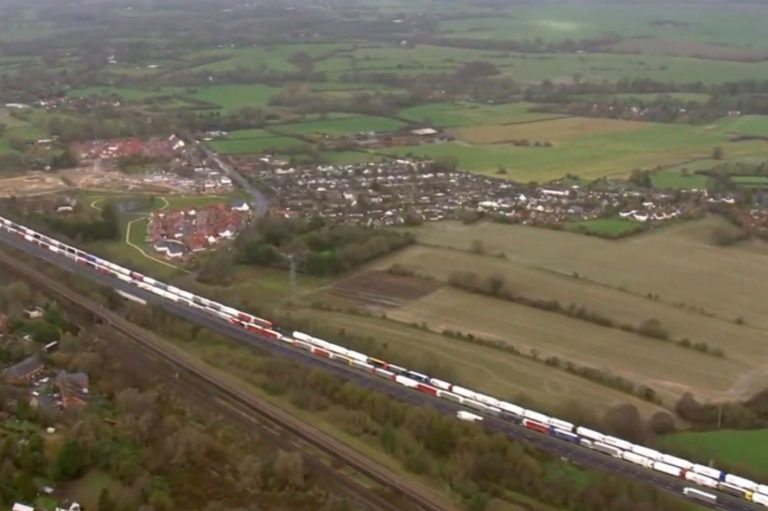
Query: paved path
x=138 y=248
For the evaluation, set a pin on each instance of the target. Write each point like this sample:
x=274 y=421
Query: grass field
x=254 y=141
x=486 y=369
x=234 y=97
x=126 y=93
x=544 y=131
x=746 y=125
x=589 y=155
x=720 y=23
x=340 y=126
x=274 y=57
x=448 y=115
x=614 y=279
x=675 y=180
x=737 y=448
x=608 y=227
x=649 y=97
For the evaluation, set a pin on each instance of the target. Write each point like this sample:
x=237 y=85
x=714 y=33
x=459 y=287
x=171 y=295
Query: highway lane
x=575 y=453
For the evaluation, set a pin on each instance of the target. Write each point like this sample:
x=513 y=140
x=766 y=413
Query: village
x=37 y=382
x=181 y=233
x=402 y=191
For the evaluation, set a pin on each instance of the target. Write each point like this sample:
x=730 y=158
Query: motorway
x=572 y=452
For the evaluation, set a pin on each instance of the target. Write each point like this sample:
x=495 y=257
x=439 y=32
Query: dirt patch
x=687 y=48
x=33 y=183
x=382 y=289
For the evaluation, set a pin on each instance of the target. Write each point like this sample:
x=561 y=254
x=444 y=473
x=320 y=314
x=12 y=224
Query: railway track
x=406 y=490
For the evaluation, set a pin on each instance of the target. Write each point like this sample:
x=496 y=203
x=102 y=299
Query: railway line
x=571 y=451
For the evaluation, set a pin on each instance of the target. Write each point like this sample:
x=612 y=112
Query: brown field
x=33 y=183
x=678 y=263
x=485 y=369
x=688 y=48
x=668 y=369
x=382 y=289
x=544 y=131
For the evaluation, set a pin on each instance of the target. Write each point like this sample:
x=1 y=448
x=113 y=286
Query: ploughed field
x=676 y=276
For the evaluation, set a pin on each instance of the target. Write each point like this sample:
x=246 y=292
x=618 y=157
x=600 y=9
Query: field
x=591 y=155
x=447 y=115
x=126 y=93
x=273 y=57
x=737 y=448
x=688 y=48
x=675 y=180
x=746 y=125
x=608 y=227
x=346 y=125
x=544 y=131
x=254 y=141
x=234 y=97
x=486 y=369
x=719 y=23
x=612 y=279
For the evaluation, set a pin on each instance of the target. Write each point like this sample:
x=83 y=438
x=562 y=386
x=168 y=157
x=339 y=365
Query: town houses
x=178 y=233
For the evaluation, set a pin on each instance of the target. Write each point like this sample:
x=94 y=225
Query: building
x=22 y=507
x=24 y=372
x=33 y=313
x=73 y=388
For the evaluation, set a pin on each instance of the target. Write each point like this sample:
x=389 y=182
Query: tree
x=218 y=270
x=69 y=463
x=641 y=178
x=625 y=421
x=289 y=469
x=303 y=61
x=106 y=503
x=661 y=423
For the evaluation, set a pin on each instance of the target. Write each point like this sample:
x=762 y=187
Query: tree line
x=313 y=246
x=479 y=466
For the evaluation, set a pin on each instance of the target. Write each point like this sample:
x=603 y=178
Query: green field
x=590 y=155
x=254 y=141
x=126 y=93
x=273 y=57
x=534 y=68
x=448 y=115
x=606 y=227
x=751 y=181
x=746 y=125
x=720 y=23
x=672 y=179
x=340 y=126
x=650 y=97
x=234 y=97
x=741 y=449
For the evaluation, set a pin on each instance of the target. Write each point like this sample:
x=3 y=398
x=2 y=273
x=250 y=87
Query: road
x=260 y=201
x=575 y=453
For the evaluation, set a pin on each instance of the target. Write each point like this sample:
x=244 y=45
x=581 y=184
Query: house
x=423 y=132
x=34 y=313
x=240 y=205
x=73 y=388
x=24 y=372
